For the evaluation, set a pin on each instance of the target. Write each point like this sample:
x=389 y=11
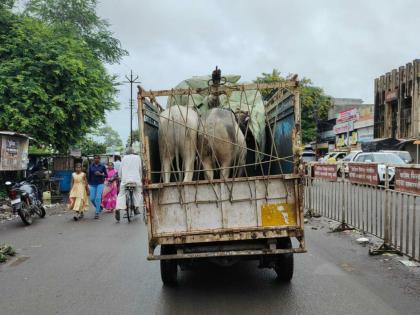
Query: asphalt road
x=100 y=267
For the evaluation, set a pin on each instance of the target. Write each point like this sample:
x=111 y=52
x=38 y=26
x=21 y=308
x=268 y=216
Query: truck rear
x=255 y=216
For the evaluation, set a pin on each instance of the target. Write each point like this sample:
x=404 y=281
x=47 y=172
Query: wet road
x=99 y=267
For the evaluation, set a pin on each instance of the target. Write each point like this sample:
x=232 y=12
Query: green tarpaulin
x=250 y=101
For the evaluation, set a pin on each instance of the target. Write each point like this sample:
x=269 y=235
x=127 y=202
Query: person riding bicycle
x=129 y=173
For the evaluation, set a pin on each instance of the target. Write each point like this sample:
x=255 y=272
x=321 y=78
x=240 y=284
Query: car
x=308 y=156
x=405 y=155
x=334 y=156
x=381 y=158
x=349 y=158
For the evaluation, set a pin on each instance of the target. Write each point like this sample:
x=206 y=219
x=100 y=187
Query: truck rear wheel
x=168 y=268
x=285 y=264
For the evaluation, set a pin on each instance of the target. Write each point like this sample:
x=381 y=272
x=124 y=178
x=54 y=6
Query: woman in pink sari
x=109 y=195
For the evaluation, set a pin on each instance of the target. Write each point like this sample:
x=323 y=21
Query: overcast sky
x=341 y=45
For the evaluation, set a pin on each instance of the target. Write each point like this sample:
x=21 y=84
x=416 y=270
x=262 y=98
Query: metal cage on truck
x=249 y=217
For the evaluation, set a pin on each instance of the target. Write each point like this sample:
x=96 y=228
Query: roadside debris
x=409 y=263
x=6 y=250
x=362 y=240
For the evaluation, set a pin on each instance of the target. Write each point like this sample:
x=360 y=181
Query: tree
x=52 y=86
x=110 y=137
x=136 y=136
x=91 y=147
x=314 y=103
x=79 y=17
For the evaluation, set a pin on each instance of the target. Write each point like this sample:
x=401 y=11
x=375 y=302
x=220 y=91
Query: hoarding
x=343 y=127
x=407 y=179
x=363 y=173
x=347 y=115
x=326 y=171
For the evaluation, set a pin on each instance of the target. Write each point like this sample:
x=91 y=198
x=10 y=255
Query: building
x=354 y=126
x=350 y=122
x=397 y=103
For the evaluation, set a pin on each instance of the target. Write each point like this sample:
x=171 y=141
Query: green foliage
x=79 y=17
x=314 y=102
x=110 y=137
x=89 y=146
x=52 y=86
x=136 y=137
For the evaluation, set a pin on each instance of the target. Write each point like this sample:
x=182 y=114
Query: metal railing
x=381 y=209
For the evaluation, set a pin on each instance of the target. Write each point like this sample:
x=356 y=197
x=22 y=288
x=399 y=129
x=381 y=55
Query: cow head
x=242 y=117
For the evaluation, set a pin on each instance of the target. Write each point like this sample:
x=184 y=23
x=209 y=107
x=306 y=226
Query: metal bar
x=401 y=221
x=227 y=254
x=391 y=211
x=407 y=225
x=222 y=89
x=413 y=239
x=386 y=209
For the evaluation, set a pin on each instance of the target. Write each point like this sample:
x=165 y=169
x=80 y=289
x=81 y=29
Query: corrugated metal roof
x=16 y=134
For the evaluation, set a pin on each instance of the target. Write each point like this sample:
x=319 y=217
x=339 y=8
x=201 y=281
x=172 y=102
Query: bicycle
x=129 y=197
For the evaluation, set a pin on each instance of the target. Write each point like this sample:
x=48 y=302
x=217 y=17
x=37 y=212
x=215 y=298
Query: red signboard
x=326 y=171
x=347 y=115
x=363 y=173
x=407 y=179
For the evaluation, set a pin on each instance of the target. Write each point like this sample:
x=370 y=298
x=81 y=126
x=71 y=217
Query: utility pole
x=131 y=80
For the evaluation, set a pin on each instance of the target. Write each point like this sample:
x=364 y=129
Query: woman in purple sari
x=109 y=195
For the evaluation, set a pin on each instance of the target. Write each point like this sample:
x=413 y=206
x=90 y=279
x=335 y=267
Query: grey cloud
x=341 y=45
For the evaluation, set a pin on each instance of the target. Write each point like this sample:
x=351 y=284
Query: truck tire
x=168 y=268
x=285 y=264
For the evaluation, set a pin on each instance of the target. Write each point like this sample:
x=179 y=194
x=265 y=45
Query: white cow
x=178 y=139
x=221 y=142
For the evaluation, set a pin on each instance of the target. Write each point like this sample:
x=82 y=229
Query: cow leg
x=225 y=170
x=207 y=166
x=166 y=167
x=189 y=168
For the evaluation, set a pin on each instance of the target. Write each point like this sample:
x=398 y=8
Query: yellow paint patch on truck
x=278 y=214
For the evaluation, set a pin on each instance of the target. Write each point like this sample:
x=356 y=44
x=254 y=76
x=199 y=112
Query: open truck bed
x=252 y=217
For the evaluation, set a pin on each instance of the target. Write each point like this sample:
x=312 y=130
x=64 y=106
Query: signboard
x=326 y=171
x=347 y=115
x=407 y=179
x=344 y=127
x=13 y=152
x=12 y=146
x=363 y=173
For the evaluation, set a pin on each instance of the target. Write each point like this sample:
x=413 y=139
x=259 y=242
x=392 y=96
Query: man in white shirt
x=129 y=173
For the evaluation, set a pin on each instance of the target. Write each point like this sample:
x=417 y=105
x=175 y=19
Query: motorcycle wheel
x=25 y=214
x=41 y=212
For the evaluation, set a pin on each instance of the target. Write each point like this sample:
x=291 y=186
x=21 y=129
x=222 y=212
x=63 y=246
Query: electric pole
x=131 y=80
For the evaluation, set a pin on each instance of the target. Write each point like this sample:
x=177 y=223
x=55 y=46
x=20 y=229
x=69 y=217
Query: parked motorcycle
x=26 y=200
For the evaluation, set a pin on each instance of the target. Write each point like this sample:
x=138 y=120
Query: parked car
x=405 y=155
x=349 y=158
x=381 y=158
x=308 y=156
x=335 y=155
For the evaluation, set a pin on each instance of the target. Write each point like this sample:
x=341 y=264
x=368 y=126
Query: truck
x=258 y=216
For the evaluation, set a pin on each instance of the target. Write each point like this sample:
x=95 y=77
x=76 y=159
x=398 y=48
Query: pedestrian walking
x=79 y=200
x=97 y=174
x=109 y=195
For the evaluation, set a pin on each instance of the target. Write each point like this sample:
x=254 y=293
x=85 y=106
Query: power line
x=131 y=80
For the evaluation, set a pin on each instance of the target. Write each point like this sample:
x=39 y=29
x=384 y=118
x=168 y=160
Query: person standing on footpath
x=97 y=174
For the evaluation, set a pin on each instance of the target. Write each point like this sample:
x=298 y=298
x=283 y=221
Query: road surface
x=100 y=267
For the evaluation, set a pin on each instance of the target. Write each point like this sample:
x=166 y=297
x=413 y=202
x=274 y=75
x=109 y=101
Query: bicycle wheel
x=129 y=206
